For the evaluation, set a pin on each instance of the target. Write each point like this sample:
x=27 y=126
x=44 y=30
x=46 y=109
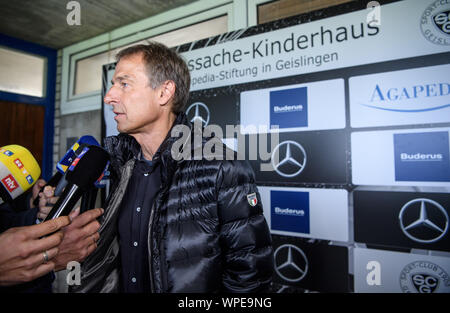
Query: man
x=172 y=225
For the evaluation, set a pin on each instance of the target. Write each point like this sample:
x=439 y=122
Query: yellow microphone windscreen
x=19 y=170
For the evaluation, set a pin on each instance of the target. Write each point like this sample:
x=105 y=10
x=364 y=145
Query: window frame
x=44 y=71
x=199 y=11
x=48 y=101
x=253 y=11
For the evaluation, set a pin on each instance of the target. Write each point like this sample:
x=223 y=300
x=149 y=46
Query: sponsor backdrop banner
x=326 y=44
x=416 y=157
x=309 y=213
x=311 y=265
x=402 y=219
x=294 y=108
x=344 y=116
x=302 y=157
x=386 y=271
x=401 y=97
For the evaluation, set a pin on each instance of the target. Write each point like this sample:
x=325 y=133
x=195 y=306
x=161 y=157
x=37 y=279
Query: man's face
x=133 y=100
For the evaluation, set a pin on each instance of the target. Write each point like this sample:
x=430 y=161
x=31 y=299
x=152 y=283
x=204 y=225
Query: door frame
x=48 y=101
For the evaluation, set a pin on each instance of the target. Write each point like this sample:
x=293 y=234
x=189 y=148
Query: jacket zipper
x=149 y=243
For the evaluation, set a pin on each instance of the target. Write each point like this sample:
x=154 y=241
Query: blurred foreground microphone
x=58 y=180
x=19 y=170
x=81 y=176
x=89 y=197
x=74 y=152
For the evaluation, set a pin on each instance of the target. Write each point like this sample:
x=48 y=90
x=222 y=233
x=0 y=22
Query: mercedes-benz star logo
x=292 y=164
x=423 y=220
x=204 y=118
x=291 y=263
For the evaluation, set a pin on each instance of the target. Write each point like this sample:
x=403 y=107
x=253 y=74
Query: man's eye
x=124 y=84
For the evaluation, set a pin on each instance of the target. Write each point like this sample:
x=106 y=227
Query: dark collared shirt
x=133 y=225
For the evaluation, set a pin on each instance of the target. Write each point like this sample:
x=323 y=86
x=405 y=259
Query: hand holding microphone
x=26 y=255
x=47 y=200
x=81 y=236
x=85 y=170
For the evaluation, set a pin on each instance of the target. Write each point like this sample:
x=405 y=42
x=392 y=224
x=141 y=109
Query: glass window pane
x=279 y=9
x=88 y=75
x=194 y=32
x=22 y=73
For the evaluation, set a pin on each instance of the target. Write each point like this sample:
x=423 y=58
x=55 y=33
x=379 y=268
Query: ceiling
x=45 y=21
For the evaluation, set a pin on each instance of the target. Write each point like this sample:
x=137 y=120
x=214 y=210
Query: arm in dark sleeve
x=17 y=213
x=245 y=235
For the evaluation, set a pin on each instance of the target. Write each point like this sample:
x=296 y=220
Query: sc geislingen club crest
x=435 y=23
x=425 y=283
x=424 y=277
x=252 y=199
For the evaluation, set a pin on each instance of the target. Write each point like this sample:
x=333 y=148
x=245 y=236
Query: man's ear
x=166 y=92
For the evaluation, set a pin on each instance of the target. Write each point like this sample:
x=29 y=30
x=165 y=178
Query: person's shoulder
x=237 y=166
x=120 y=139
x=224 y=157
x=121 y=148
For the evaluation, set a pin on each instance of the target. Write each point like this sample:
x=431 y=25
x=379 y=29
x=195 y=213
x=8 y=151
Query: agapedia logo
x=424 y=277
x=409 y=99
x=435 y=23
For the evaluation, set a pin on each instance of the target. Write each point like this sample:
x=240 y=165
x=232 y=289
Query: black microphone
x=88 y=200
x=58 y=180
x=81 y=176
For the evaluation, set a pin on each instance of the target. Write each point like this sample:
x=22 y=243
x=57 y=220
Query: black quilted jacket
x=204 y=236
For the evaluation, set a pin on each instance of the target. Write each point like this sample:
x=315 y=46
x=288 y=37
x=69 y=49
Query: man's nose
x=111 y=97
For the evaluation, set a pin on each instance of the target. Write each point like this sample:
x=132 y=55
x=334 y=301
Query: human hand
x=35 y=190
x=26 y=255
x=46 y=202
x=80 y=237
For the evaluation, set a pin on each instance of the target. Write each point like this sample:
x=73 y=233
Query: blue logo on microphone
x=289 y=108
x=75 y=162
x=289 y=211
x=29 y=179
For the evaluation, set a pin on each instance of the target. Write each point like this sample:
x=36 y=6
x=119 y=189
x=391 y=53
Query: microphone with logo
x=89 y=197
x=58 y=179
x=81 y=176
x=19 y=170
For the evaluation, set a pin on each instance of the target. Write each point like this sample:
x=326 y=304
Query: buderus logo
x=289 y=108
x=289 y=211
x=422 y=156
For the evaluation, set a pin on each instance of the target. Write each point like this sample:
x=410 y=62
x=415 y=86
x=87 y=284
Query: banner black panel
x=325 y=158
x=221 y=106
x=315 y=266
x=402 y=219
